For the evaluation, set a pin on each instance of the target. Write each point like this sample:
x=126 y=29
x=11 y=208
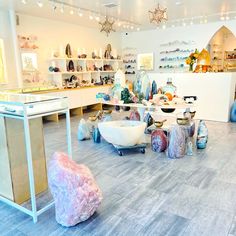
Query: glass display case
x=21 y=126
x=25 y=104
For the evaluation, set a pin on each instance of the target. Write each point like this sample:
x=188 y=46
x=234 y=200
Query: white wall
x=6 y=35
x=149 y=41
x=51 y=34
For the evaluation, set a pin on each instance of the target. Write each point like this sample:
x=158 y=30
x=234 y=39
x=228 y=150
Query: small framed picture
x=145 y=61
x=29 y=61
x=3 y=68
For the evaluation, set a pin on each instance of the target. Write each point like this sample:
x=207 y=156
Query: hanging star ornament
x=107 y=26
x=158 y=15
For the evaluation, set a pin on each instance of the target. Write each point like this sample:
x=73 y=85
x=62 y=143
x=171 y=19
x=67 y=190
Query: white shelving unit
x=173 y=55
x=88 y=69
x=130 y=62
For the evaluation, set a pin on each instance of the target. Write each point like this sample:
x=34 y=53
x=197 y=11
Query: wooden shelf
x=80 y=72
x=84 y=59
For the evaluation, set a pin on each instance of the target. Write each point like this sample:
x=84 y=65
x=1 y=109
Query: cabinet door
x=18 y=160
x=5 y=172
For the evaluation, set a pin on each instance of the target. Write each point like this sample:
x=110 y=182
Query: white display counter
x=215 y=91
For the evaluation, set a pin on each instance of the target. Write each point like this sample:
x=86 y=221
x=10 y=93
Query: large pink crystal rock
x=74 y=190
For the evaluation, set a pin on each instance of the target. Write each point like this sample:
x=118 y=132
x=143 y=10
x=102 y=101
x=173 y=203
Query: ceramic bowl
x=159 y=124
x=182 y=121
x=92 y=118
x=107 y=111
x=122 y=132
x=168 y=110
x=192 y=113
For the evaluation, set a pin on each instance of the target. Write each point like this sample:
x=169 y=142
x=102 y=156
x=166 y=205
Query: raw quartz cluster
x=74 y=190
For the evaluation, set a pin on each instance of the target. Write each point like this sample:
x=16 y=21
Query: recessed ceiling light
x=138 y=29
x=163 y=26
x=227 y=17
x=72 y=12
x=131 y=27
x=97 y=18
x=178 y=3
x=222 y=17
x=119 y=24
x=39 y=3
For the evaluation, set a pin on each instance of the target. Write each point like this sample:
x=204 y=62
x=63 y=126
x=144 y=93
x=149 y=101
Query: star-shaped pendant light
x=158 y=15
x=107 y=26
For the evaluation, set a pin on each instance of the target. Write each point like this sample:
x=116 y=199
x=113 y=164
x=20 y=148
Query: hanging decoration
x=107 y=26
x=158 y=15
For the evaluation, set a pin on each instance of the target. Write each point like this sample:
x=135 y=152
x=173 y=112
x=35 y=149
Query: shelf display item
x=154 y=87
x=83 y=131
x=126 y=96
x=107 y=54
x=158 y=141
x=68 y=51
x=129 y=60
x=119 y=78
x=233 y=112
x=189 y=151
x=71 y=66
x=192 y=58
x=96 y=135
x=177 y=142
x=230 y=60
x=169 y=90
x=148 y=119
x=202 y=135
x=145 y=82
x=203 y=62
x=74 y=189
x=28 y=42
x=134 y=115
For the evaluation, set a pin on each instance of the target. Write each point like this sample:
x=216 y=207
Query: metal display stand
x=26 y=107
x=120 y=149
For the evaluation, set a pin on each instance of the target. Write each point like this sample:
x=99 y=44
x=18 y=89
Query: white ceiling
x=179 y=11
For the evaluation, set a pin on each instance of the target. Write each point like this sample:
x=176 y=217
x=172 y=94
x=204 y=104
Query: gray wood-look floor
x=146 y=194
